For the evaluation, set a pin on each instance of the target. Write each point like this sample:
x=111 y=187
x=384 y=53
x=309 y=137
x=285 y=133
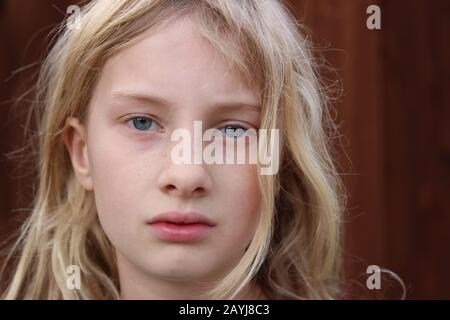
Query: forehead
x=176 y=61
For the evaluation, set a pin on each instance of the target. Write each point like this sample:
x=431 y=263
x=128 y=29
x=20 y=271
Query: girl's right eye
x=144 y=123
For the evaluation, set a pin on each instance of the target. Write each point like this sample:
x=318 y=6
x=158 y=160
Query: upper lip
x=181 y=218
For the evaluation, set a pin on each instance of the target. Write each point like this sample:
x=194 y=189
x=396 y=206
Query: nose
x=184 y=180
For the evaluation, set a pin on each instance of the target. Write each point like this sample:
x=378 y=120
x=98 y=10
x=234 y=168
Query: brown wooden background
x=394 y=115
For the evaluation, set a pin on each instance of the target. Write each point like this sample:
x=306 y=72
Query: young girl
x=111 y=202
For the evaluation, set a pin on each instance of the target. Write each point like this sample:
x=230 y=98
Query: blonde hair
x=296 y=249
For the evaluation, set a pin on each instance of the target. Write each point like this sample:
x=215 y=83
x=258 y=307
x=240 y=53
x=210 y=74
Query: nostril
x=170 y=187
x=187 y=190
x=199 y=190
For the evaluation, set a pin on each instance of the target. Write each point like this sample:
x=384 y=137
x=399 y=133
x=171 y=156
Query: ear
x=74 y=136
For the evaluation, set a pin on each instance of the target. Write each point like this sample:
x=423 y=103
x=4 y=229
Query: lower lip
x=175 y=232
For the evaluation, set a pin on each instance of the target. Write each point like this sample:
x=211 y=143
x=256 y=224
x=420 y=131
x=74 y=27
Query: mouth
x=181 y=227
x=182 y=218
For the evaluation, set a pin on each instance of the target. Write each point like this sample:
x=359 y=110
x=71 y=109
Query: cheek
x=110 y=173
x=119 y=177
x=120 y=167
x=111 y=196
x=240 y=199
x=242 y=182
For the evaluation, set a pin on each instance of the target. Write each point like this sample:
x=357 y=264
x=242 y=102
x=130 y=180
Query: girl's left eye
x=144 y=123
x=234 y=131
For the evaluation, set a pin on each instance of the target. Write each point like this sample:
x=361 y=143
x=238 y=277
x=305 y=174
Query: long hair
x=296 y=249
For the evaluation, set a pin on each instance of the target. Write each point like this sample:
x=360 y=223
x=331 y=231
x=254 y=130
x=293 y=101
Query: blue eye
x=143 y=123
x=233 y=131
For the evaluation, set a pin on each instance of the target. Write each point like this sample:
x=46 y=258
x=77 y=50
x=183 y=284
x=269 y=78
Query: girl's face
x=169 y=79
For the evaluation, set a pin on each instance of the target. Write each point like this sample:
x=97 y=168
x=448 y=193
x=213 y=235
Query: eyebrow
x=162 y=102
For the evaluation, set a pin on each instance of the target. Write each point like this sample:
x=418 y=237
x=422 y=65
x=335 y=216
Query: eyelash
x=143 y=118
x=235 y=126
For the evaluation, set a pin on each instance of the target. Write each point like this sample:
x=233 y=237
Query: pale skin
x=133 y=178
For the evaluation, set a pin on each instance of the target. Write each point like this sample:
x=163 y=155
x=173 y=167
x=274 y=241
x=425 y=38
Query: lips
x=182 y=218
x=181 y=227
